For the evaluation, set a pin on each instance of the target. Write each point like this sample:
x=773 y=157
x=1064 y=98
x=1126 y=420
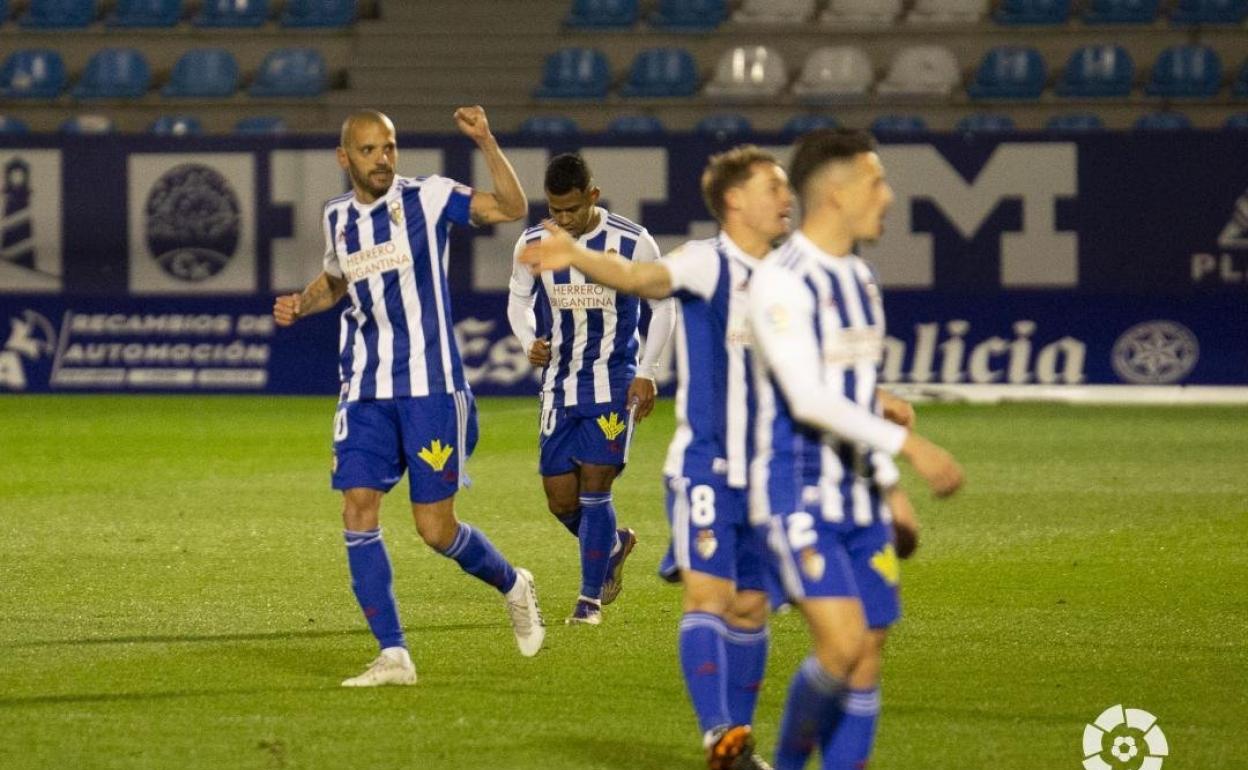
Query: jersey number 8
x=702 y=505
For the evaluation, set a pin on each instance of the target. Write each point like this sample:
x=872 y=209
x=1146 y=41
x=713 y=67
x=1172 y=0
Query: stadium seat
x=861 y=12
x=318 y=13
x=575 y=73
x=1075 y=123
x=804 y=124
x=87 y=125
x=1163 y=121
x=898 y=125
x=662 y=72
x=146 y=13
x=13 y=126
x=549 y=126
x=232 y=13
x=1240 y=87
x=4 y=11
x=203 y=73
x=775 y=12
x=948 y=11
x=1209 y=12
x=1009 y=72
x=114 y=73
x=1033 y=12
x=636 y=125
x=1097 y=71
x=985 y=123
x=34 y=73
x=176 y=125
x=748 y=72
x=723 y=126
x=1237 y=122
x=1121 y=12
x=65 y=14
x=290 y=72
x=689 y=15
x=922 y=70
x=833 y=72
x=602 y=14
x=263 y=124
x=1186 y=71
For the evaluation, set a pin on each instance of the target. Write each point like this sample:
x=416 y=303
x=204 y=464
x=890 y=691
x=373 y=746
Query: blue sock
x=704 y=663
x=477 y=556
x=747 y=661
x=373 y=584
x=810 y=714
x=849 y=745
x=597 y=534
x=572 y=521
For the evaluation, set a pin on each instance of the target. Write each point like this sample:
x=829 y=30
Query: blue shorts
x=593 y=434
x=817 y=559
x=431 y=437
x=711 y=532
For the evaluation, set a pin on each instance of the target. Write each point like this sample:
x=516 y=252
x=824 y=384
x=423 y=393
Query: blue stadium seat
x=1237 y=122
x=690 y=15
x=1009 y=72
x=1097 y=71
x=804 y=124
x=203 y=73
x=575 y=73
x=1240 y=87
x=318 y=13
x=898 y=125
x=602 y=14
x=290 y=72
x=114 y=73
x=1209 y=12
x=12 y=126
x=662 y=72
x=1121 y=12
x=4 y=11
x=985 y=123
x=176 y=125
x=549 y=126
x=1033 y=12
x=33 y=73
x=1186 y=71
x=260 y=125
x=232 y=13
x=70 y=14
x=146 y=13
x=1075 y=123
x=1163 y=121
x=87 y=125
x=723 y=126
x=636 y=125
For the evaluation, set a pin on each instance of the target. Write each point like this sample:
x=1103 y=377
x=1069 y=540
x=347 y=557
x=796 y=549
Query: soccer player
x=823 y=479
x=593 y=389
x=404 y=403
x=723 y=632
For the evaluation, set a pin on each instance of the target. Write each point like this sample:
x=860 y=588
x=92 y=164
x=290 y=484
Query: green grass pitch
x=174 y=594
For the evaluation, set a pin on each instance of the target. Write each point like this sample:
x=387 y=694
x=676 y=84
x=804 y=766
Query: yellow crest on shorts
x=611 y=425
x=436 y=455
x=886 y=564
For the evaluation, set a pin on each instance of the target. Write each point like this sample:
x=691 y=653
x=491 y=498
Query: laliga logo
x=30 y=337
x=1134 y=732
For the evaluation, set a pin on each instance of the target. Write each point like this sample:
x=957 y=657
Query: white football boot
x=526 y=616
x=393 y=666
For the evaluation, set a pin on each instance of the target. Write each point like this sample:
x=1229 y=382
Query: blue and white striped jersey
x=592 y=329
x=397 y=337
x=818 y=322
x=714 y=396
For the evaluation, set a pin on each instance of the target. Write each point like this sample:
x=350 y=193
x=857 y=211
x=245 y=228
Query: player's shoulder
x=534 y=231
x=787 y=258
x=698 y=248
x=624 y=225
x=338 y=201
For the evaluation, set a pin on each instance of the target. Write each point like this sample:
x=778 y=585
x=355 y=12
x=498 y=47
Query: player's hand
x=905 y=523
x=937 y=467
x=539 y=354
x=472 y=123
x=286 y=309
x=554 y=252
x=641 y=393
x=897 y=409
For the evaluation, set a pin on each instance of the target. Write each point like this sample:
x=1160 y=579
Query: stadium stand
x=146 y=13
x=1186 y=71
x=602 y=14
x=724 y=126
x=1096 y=71
x=548 y=126
x=765 y=12
x=662 y=73
x=636 y=126
x=261 y=124
x=947 y=11
x=114 y=73
x=1209 y=12
x=834 y=72
x=1237 y=122
x=232 y=13
x=985 y=123
x=860 y=12
x=88 y=125
x=1120 y=11
x=290 y=72
x=748 y=72
x=176 y=125
x=1009 y=72
x=1162 y=121
x=59 y=14
x=922 y=70
x=33 y=74
x=1033 y=12
x=203 y=73
x=10 y=125
x=1075 y=123
x=802 y=124
x=689 y=15
x=318 y=13
x=898 y=125
x=575 y=73
x=1240 y=87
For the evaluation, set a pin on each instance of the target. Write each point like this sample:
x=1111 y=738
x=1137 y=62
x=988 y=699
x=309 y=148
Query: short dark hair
x=567 y=172
x=819 y=148
x=727 y=170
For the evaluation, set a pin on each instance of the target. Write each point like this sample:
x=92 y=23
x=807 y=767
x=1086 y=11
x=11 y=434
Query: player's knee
x=597 y=478
x=749 y=610
x=438 y=532
x=360 y=509
x=708 y=598
x=563 y=505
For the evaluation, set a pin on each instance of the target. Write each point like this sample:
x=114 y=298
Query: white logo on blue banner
x=1156 y=353
x=1235 y=234
x=30 y=220
x=192 y=223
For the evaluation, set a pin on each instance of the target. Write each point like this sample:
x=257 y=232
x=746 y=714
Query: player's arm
x=507 y=202
x=896 y=409
x=781 y=314
x=323 y=293
x=520 y=315
x=557 y=251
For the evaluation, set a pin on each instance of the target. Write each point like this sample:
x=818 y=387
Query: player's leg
x=556 y=446
x=563 y=499
x=598 y=539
